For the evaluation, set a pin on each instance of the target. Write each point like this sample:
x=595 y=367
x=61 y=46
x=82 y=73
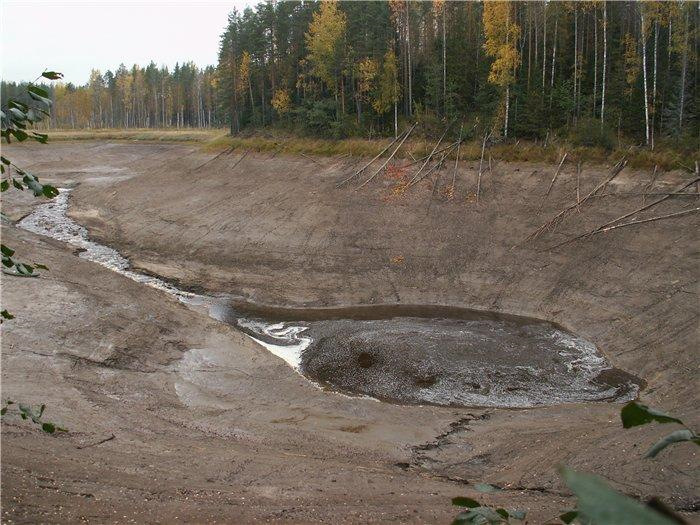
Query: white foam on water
x=293 y=344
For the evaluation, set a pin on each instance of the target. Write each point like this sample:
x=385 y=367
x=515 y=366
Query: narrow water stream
x=396 y=353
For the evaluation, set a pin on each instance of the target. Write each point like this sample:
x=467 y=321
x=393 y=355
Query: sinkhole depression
x=442 y=356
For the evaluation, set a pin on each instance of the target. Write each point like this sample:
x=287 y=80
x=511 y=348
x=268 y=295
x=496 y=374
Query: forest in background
x=589 y=71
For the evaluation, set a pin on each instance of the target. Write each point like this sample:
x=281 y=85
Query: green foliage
x=388 y=91
x=324 y=41
x=319 y=117
x=479 y=514
x=677 y=436
x=27 y=412
x=588 y=133
x=598 y=504
x=17 y=119
x=634 y=414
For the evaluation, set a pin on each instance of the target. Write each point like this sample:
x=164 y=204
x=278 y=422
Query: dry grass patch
x=216 y=140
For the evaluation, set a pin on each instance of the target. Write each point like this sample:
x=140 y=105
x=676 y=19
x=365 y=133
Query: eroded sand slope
x=208 y=424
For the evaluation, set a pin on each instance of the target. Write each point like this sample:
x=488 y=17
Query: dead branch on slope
x=228 y=150
x=439 y=163
x=578 y=186
x=608 y=225
x=562 y=214
x=481 y=166
x=447 y=128
x=390 y=157
x=245 y=153
x=363 y=168
x=310 y=158
x=630 y=223
x=551 y=183
x=651 y=182
x=454 y=172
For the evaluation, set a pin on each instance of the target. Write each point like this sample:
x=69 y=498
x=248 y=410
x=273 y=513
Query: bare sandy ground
x=208 y=426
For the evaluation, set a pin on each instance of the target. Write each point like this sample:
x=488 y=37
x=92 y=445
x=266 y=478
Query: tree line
x=594 y=70
x=136 y=97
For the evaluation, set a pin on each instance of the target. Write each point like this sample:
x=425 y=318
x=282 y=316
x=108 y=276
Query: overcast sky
x=76 y=36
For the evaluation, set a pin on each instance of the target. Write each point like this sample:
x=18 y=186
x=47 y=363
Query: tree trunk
x=575 y=54
x=410 y=72
x=505 y=127
x=656 y=55
x=444 y=61
x=683 y=73
x=644 y=77
x=529 y=46
x=595 y=58
x=544 y=46
x=605 y=56
x=554 y=58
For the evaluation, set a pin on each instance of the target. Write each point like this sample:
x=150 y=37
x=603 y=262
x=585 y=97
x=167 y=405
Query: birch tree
x=501 y=34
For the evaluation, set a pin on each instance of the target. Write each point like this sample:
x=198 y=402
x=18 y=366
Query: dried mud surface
x=209 y=426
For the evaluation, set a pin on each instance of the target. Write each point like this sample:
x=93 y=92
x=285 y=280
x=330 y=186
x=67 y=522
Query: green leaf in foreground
x=568 y=517
x=518 y=514
x=7 y=315
x=52 y=75
x=479 y=515
x=486 y=488
x=598 y=503
x=674 y=437
x=465 y=502
x=634 y=414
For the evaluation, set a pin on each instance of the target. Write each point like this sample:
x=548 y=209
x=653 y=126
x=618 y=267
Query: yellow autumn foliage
x=324 y=42
x=501 y=35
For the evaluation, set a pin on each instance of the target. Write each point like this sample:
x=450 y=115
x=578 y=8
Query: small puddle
x=407 y=354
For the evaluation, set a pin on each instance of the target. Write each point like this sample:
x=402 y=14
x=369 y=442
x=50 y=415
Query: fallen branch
x=481 y=166
x=416 y=161
x=578 y=185
x=607 y=225
x=390 y=156
x=436 y=166
x=239 y=160
x=551 y=183
x=310 y=158
x=363 y=168
x=110 y=438
x=651 y=182
x=559 y=216
x=639 y=194
x=631 y=223
x=229 y=150
x=437 y=183
x=431 y=155
x=647 y=206
x=454 y=172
